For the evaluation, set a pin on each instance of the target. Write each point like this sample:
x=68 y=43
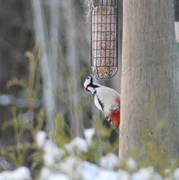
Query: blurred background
x=60 y=30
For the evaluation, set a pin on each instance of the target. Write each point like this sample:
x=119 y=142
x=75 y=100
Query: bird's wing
x=98 y=103
x=108 y=97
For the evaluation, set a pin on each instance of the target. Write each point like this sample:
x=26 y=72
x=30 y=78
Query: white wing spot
x=98 y=105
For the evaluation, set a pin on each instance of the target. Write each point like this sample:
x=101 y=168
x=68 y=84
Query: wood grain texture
x=149 y=64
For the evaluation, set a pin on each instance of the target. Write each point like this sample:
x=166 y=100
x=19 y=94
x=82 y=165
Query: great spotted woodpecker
x=106 y=100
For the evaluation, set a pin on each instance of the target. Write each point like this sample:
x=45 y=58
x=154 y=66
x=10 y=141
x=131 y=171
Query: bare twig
x=32 y=66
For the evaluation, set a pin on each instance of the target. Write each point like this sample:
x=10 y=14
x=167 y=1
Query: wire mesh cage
x=104 y=39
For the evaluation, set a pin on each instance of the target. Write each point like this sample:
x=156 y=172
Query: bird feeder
x=104 y=39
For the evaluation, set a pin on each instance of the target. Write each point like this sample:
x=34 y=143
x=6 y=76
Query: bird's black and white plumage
x=106 y=100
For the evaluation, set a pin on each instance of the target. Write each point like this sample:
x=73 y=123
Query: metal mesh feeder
x=104 y=39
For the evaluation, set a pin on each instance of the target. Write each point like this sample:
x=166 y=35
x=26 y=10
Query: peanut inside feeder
x=104 y=41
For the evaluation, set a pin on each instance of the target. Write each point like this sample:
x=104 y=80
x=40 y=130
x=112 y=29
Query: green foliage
x=24 y=152
x=16 y=154
x=59 y=134
x=101 y=141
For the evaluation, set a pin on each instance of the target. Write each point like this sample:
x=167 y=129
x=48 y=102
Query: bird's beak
x=85 y=88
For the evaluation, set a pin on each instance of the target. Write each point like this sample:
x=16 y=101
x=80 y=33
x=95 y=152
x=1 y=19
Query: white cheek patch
x=98 y=105
x=91 y=89
x=87 y=82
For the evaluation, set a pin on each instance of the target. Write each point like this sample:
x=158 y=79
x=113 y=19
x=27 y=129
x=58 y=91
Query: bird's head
x=88 y=85
x=88 y=82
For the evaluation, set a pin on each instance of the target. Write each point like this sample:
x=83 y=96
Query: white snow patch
x=45 y=172
x=77 y=145
x=108 y=175
x=69 y=166
x=6 y=175
x=123 y=175
x=89 y=171
x=89 y=133
x=6 y=99
x=146 y=174
x=41 y=138
x=176 y=174
x=48 y=159
x=110 y=161
x=21 y=173
x=52 y=153
x=131 y=164
x=58 y=176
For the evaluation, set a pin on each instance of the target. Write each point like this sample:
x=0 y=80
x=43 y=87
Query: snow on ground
x=60 y=166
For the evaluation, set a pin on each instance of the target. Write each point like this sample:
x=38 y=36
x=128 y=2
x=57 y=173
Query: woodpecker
x=106 y=100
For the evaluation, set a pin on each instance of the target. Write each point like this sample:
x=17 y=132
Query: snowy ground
x=59 y=166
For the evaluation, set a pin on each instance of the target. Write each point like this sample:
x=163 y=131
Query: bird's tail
x=115 y=128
